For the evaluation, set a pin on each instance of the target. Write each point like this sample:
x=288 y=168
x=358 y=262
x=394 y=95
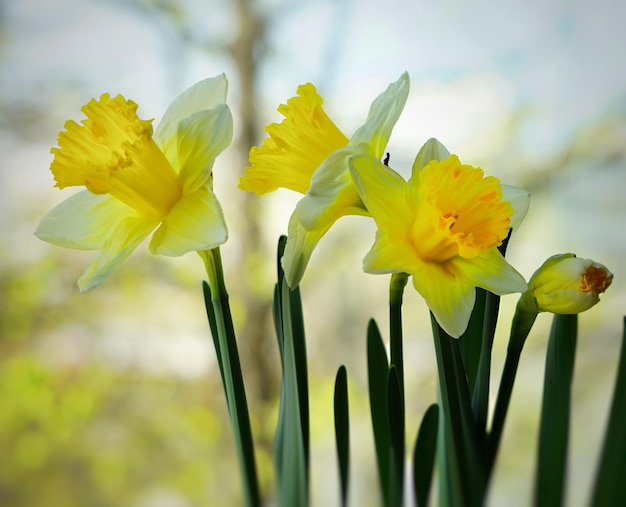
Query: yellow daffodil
x=443 y=227
x=566 y=284
x=307 y=153
x=137 y=181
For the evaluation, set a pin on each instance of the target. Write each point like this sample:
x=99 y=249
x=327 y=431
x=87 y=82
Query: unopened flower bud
x=566 y=284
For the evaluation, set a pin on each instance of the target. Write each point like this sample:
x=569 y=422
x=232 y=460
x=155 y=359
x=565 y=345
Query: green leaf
x=289 y=452
x=221 y=323
x=424 y=454
x=609 y=489
x=342 y=431
x=464 y=468
x=377 y=371
x=555 y=411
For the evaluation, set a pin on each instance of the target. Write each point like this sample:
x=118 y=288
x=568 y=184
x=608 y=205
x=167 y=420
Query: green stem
x=230 y=369
x=520 y=328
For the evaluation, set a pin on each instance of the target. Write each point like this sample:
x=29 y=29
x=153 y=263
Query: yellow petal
x=83 y=221
x=382 y=117
x=300 y=245
x=196 y=222
x=390 y=253
x=449 y=297
x=490 y=271
x=112 y=152
x=384 y=193
x=205 y=94
x=295 y=148
x=123 y=238
x=201 y=138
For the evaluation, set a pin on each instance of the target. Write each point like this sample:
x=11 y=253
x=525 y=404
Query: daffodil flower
x=138 y=181
x=307 y=153
x=566 y=284
x=443 y=227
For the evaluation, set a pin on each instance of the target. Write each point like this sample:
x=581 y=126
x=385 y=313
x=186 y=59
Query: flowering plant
x=447 y=228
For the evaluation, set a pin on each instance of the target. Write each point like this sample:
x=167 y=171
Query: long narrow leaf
x=377 y=371
x=290 y=451
x=342 y=431
x=555 y=411
x=220 y=320
x=609 y=487
x=424 y=455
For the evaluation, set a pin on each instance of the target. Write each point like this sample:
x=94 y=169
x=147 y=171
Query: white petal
x=83 y=221
x=122 y=240
x=520 y=200
x=201 y=138
x=383 y=115
x=300 y=245
x=206 y=94
x=196 y=222
x=431 y=150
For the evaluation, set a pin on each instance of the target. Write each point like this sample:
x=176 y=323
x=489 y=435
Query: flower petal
x=383 y=192
x=196 y=222
x=300 y=245
x=431 y=150
x=383 y=115
x=201 y=138
x=205 y=94
x=389 y=255
x=123 y=238
x=449 y=297
x=490 y=271
x=83 y=221
x=520 y=200
x=332 y=193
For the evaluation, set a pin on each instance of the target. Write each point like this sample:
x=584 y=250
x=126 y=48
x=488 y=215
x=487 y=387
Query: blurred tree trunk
x=256 y=337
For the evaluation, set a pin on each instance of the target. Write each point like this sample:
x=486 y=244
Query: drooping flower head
x=566 y=284
x=443 y=227
x=309 y=154
x=137 y=180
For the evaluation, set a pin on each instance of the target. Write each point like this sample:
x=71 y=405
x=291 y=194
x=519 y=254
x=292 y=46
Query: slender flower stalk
x=218 y=311
x=307 y=153
x=564 y=284
x=138 y=180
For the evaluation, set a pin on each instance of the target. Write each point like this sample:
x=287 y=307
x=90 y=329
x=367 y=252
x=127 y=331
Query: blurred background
x=113 y=398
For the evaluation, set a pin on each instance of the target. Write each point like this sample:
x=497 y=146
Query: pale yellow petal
x=389 y=255
x=83 y=221
x=449 y=297
x=332 y=193
x=205 y=94
x=490 y=271
x=201 y=138
x=300 y=245
x=383 y=192
x=196 y=222
x=123 y=238
x=520 y=200
x=431 y=150
x=382 y=117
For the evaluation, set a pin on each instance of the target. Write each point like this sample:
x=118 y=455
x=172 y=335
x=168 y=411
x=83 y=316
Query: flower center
x=296 y=147
x=459 y=212
x=112 y=152
x=595 y=280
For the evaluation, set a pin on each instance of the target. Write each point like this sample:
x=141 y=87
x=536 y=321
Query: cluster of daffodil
x=447 y=228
